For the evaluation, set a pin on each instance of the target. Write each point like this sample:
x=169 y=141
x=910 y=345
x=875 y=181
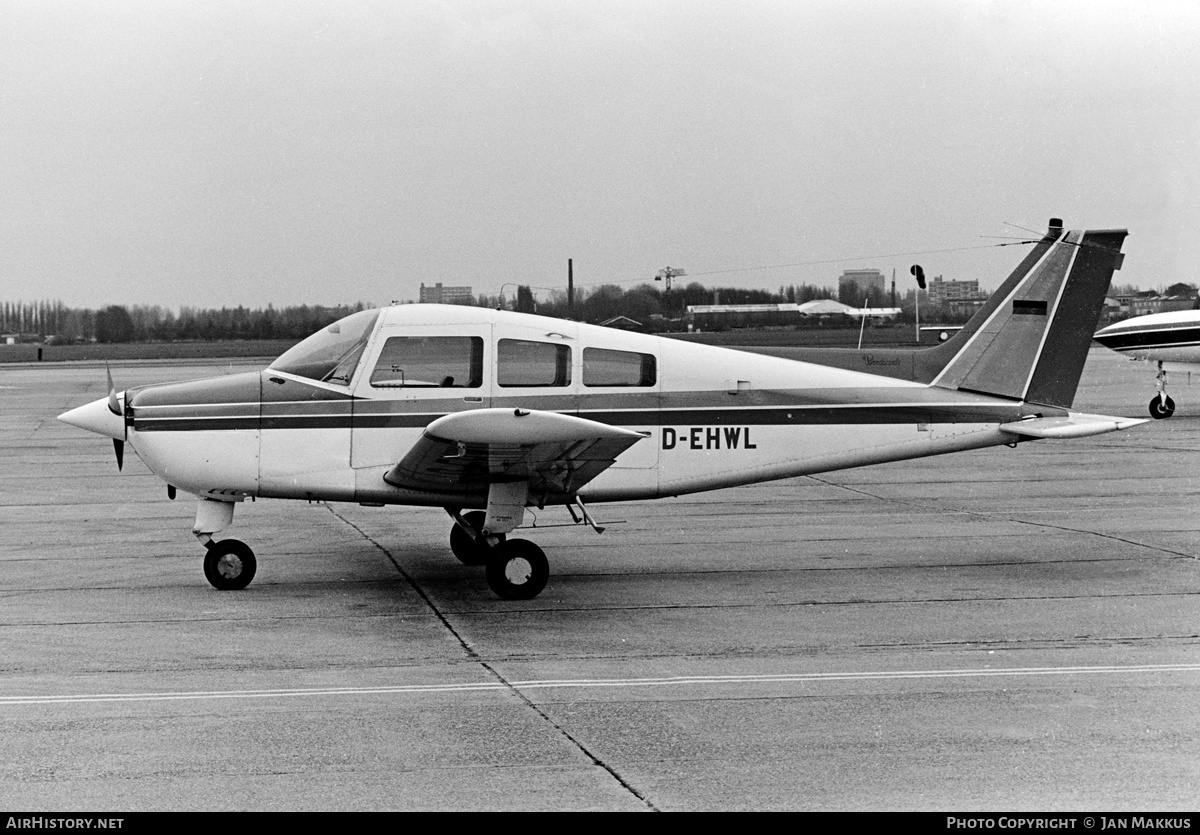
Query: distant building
x=961 y=294
x=1151 y=302
x=721 y=316
x=963 y=308
x=437 y=294
x=622 y=323
x=864 y=280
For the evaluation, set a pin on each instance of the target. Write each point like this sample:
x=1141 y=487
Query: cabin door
x=412 y=376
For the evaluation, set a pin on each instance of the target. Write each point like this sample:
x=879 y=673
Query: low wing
x=1074 y=425
x=464 y=453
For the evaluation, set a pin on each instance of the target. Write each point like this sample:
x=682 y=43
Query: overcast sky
x=251 y=152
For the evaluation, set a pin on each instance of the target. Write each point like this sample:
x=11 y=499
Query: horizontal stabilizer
x=1073 y=425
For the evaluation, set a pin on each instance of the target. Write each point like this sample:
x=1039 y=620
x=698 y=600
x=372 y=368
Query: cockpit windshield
x=330 y=355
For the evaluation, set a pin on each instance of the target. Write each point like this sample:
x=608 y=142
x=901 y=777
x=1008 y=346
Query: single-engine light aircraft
x=485 y=413
x=1171 y=340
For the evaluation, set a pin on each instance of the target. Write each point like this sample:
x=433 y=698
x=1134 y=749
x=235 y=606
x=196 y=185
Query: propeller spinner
x=104 y=417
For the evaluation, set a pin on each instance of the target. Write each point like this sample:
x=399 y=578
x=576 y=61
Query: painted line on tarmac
x=586 y=684
x=250 y=694
x=865 y=676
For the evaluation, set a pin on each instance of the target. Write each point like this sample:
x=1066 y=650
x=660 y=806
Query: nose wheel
x=229 y=564
x=1161 y=406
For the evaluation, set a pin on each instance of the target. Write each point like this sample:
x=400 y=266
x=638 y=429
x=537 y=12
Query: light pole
x=919 y=273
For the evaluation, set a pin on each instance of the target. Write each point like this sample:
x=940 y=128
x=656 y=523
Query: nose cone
x=1104 y=336
x=97 y=417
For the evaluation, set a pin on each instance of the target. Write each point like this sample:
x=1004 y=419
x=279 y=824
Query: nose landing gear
x=1161 y=406
x=229 y=564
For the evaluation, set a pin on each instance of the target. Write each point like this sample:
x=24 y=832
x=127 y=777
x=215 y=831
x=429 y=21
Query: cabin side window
x=604 y=367
x=521 y=362
x=430 y=362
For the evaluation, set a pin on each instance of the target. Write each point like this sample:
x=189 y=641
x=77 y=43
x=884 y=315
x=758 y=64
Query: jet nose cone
x=97 y=417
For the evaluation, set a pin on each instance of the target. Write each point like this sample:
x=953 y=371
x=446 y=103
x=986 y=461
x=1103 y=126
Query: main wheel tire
x=517 y=570
x=1159 y=409
x=229 y=565
x=471 y=551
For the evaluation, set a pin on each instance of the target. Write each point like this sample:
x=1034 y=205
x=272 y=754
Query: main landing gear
x=467 y=541
x=1161 y=406
x=516 y=569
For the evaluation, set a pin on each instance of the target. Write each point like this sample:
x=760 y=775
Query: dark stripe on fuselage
x=196 y=424
x=865 y=414
x=1163 y=338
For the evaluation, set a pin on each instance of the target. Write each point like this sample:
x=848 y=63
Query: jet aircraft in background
x=485 y=413
x=1171 y=340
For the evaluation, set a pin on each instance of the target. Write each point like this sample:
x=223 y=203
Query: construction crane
x=668 y=273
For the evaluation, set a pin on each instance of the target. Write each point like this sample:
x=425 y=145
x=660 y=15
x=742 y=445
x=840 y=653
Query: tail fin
x=1031 y=338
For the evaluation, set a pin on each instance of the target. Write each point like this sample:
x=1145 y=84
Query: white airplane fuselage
x=1172 y=337
x=711 y=417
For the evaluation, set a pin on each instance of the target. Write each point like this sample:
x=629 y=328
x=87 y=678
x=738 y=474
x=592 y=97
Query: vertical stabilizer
x=1032 y=338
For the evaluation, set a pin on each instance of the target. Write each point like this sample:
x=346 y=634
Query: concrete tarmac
x=1009 y=629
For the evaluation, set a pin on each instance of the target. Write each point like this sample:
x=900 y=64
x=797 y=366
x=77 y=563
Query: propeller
x=114 y=406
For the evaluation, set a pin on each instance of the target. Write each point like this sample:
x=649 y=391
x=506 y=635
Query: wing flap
x=1073 y=425
x=463 y=453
